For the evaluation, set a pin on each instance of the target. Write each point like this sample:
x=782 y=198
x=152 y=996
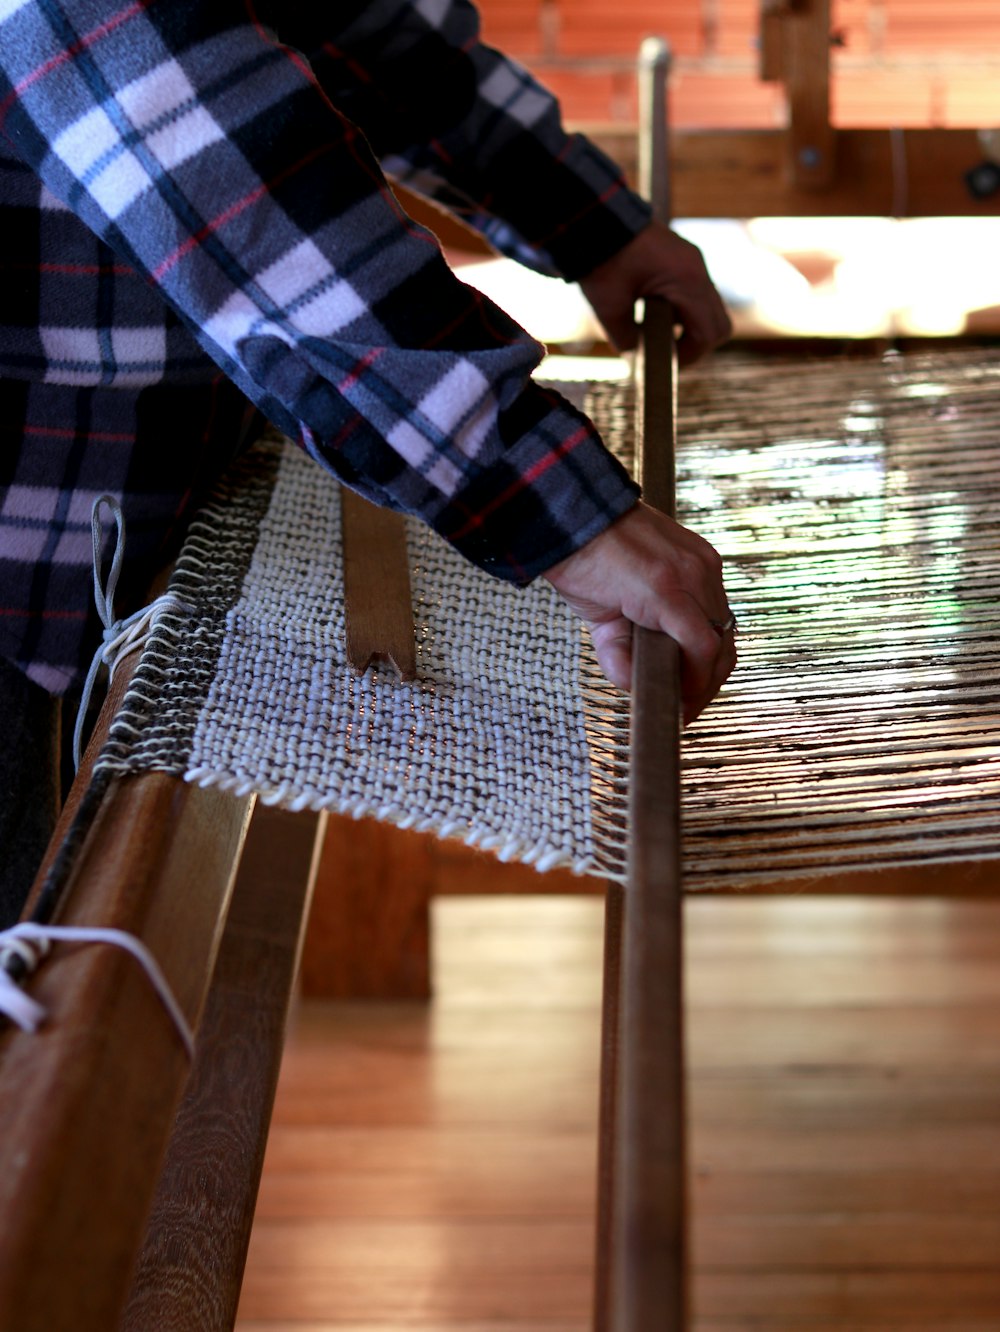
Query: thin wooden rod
x=648 y=1242
x=80 y=807
x=649 y=1282
x=641 y=1270
x=656 y=407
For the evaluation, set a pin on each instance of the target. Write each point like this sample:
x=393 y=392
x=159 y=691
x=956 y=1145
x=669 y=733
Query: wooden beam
x=806 y=76
x=771 y=53
x=191 y=1265
x=452 y=232
x=954 y=879
x=87 y=1103
x=744 y=173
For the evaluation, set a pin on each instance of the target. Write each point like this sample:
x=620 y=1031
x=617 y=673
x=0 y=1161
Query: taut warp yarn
x=855 y=502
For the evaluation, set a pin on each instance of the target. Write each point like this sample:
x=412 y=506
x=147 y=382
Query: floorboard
x=432 y=1167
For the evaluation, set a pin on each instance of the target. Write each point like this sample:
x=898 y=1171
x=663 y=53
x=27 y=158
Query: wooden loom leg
x=191 y=1265
x=369 y=932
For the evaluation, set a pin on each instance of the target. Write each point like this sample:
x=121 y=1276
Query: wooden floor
x=431 y=1168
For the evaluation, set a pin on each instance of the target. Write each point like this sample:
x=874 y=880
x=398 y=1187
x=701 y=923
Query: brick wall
x=902 y=62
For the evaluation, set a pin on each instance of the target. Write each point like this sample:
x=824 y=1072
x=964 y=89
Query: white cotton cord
x=121 y=637
x=29 y=943
x=14 y=1003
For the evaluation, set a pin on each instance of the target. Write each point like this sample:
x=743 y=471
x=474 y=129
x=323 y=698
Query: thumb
x=621 y=328
x=613 y=648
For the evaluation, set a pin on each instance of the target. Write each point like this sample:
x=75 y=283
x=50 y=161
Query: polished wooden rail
x=641 y=1260
x=641 y=1267
x=650 y=1288
x=92 y=1103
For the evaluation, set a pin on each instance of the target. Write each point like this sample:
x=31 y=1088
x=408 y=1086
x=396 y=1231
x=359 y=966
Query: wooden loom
x=101 y=1104
x=101 y=1108
x=88 y=1105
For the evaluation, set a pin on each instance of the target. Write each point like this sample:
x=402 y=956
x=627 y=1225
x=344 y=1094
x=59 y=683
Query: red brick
x=515 y=26
x=858 y=25
x=724 y=101
x=600 y=28
x=736 y=31
x=928 y=26
x=883 y=98
x=971 y=101
x=594 y=96
x=603 y=39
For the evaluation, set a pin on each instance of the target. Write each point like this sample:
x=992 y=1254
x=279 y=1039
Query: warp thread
x=121 y=637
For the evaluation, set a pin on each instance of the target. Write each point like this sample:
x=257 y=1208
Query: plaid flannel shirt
x=197 y=232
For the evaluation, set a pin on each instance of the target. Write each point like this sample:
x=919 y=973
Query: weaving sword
x=377 y=600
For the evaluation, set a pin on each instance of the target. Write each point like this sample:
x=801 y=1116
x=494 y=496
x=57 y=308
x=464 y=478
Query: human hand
x=646 y=569
x=658 y=262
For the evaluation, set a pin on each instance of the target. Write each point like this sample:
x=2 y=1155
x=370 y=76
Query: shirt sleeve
x=457 y=120
x=207 y=154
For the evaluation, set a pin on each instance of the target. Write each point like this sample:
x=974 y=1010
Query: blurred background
x=899 y=239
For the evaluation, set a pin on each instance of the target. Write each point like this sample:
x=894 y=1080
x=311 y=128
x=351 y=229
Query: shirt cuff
x=552 y=491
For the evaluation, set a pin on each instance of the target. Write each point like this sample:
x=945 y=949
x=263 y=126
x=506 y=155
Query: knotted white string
x=121 y=637
x=30 y=943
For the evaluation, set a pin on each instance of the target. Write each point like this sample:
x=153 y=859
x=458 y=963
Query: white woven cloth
x=488 y=744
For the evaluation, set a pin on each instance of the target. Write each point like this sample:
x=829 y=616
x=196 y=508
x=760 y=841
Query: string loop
x=28 y=944
x=120 y=637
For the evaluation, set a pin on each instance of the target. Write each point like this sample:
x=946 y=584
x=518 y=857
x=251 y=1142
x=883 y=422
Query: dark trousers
x=30 y=785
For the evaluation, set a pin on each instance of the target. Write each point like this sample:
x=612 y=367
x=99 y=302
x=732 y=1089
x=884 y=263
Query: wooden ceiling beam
x=880 y=173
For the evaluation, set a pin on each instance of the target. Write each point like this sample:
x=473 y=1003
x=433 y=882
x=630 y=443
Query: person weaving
x=200 y=237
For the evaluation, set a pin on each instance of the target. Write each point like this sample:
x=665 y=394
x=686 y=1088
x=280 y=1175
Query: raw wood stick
x=377 y=603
